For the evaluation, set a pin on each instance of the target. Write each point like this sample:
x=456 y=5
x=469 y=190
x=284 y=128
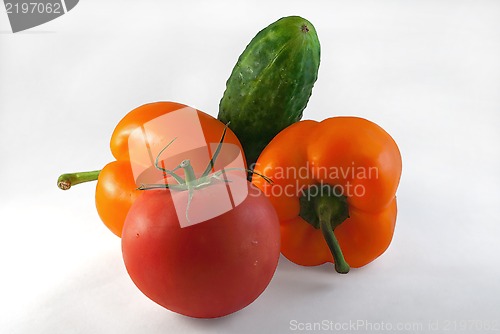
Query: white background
x=426 y=71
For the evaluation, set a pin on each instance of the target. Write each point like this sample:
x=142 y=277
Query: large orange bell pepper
x=334 y=186
x=117 y=188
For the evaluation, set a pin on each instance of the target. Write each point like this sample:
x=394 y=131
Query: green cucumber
x=271 y=83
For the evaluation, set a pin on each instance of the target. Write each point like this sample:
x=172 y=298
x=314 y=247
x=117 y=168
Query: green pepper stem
x=65 y=181
x=327 y=208
x=341 y=265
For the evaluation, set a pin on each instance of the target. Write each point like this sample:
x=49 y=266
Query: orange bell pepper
x=117 y=189
x=334 y=189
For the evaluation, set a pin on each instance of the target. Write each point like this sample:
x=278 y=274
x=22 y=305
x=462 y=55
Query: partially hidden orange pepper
x=117 y=188
x=334 y=189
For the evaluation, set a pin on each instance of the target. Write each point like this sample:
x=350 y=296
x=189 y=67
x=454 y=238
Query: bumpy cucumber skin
x=271 y=83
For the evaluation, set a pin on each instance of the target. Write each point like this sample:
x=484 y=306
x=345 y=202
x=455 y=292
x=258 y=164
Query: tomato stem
x=65 y=181
x=189 y=174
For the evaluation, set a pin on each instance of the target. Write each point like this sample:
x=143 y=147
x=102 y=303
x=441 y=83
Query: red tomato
x=205 y=270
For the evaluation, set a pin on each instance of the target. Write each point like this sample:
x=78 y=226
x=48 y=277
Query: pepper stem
x=321 y=207
x=65 y=181
x=326 y=209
